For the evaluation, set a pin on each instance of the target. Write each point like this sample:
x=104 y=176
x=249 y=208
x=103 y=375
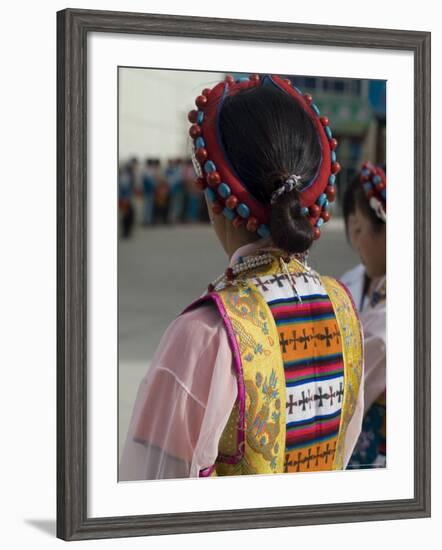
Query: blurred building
x=153 y=106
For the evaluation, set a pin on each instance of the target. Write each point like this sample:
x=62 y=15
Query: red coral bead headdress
x=217 y=177
x=374 y=183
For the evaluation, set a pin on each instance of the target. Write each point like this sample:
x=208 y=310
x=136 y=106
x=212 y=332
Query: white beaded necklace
x=242 y=265
x=248 y=262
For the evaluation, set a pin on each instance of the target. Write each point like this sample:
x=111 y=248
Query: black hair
x=354 y=195
x=267 y=136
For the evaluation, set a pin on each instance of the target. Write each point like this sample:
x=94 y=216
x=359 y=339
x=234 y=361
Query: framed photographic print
x=226 y=358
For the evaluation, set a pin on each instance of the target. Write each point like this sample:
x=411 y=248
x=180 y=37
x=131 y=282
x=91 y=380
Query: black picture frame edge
x=72 y=28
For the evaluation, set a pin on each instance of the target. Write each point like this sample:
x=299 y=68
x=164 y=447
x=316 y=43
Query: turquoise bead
x=328 y=132
x=243 y=210
x=332 y=179
x=210 y=166
x=376 y=179
x=224 y=190
x=333 y=156
x=243 y=79
x=199 y=143
x=199 y=117
x=304 y=210
x=263 y=230
x=365 y=172
x=319 y=222
x=326 y=205
x=210 y=193
x=367 y=186
x=229 y=213
x=315 y=108
x=384 y=194
x=321 y=199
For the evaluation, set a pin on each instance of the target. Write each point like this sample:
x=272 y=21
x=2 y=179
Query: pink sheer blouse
x=373 y=321
x=186 y=397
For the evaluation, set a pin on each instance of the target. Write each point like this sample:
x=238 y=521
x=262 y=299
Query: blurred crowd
x=152 y=192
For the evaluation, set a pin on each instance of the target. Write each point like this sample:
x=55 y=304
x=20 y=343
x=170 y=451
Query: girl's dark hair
x=354 y=195
x=267 y=136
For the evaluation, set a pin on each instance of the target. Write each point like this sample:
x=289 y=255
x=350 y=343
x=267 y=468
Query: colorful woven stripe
x=311 y=349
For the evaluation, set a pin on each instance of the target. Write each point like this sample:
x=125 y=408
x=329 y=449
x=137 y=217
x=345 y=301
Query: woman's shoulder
x=202 y=311
x=193 y=352
x=192 y=341
x=200 y=323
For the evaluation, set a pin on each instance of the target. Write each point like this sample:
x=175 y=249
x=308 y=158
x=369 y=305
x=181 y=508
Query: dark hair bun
x=289 y=228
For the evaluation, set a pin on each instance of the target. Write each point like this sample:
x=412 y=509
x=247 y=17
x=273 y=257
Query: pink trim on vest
x=206 y=472
x=229 y=459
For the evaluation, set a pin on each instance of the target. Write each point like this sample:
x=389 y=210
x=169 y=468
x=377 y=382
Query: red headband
x=374 y=183
x=218 y=178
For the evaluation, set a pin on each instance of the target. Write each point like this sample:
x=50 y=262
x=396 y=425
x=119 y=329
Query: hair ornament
x=292 y=182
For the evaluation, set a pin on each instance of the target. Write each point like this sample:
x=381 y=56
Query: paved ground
x=164 y=268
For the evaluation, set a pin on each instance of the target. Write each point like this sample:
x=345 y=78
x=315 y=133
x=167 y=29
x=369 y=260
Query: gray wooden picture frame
x=73 y=27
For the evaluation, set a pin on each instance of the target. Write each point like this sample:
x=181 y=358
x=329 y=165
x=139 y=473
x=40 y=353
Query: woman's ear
x=218 y=222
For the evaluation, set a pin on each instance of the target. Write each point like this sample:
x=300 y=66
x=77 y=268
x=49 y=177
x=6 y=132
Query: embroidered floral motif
x=262 y=416
x=244 y=305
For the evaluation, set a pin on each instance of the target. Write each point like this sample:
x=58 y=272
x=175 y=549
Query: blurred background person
x=364 y=209
x=135 y=172
x=194 y=197
x=174 y=178
x=125 y=201
x=149 y=183
x=162 y=201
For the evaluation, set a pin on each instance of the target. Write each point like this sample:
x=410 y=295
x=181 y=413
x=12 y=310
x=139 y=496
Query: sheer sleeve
x=373 y=321
x=183 y=402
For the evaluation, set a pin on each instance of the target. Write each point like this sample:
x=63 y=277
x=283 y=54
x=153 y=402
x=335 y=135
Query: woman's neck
x=238 y=238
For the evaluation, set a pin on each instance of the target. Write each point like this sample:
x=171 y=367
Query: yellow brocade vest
x=297 y=349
